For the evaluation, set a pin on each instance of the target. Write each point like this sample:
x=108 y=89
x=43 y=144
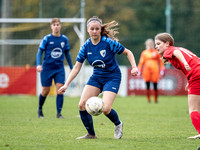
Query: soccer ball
x=94 y=106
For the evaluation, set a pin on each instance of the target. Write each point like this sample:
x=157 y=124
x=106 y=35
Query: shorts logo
x=62 y=44
x=114 y=88
x=56 y=53
x=51 y=42
x=103 y=53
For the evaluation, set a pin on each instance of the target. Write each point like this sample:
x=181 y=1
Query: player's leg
x=110 y=91
x=46 y=81
x=155 y=86
x=154 y=79
x=146 y=73
x=42 y=98
x=59 y=79
x=148 y=92
x=86 y=118
x=108 y=98
x=59 y=101
x=194 y=110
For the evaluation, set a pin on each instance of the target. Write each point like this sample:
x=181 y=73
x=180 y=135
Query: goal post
x=22 y=50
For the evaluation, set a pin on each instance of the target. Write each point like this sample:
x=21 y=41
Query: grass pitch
x=162 y=126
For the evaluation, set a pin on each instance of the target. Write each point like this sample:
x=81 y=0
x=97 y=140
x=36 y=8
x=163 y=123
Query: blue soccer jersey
x=55 y=48
x=101 y=56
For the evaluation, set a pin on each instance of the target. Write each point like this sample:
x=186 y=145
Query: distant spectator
x=151 y=68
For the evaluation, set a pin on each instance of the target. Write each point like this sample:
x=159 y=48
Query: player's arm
x=72 y=75
x=141 y=64
x=38 y=60
x=131 y=58
x=180 y=56
x=68 y=57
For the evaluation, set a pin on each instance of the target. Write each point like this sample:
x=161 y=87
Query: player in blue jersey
x=100 y=50
x=54 y=46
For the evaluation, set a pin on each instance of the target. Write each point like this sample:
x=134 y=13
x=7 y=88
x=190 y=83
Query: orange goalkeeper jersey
x=150 y=65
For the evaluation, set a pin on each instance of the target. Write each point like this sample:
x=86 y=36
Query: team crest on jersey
x=62 y=44
x=103 y=53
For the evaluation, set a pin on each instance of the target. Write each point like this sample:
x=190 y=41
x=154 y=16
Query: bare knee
x=81 y=106
x=45 y=91
x=107 y=110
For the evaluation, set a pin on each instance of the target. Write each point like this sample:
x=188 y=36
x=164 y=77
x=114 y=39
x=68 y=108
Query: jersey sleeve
x=115 y=46
x=43 y=43
x=39 y=57
x=81 y=54
x=141 y=62
x=168 y=54
x=41 y=50
x=68 y=57
x=67 y=47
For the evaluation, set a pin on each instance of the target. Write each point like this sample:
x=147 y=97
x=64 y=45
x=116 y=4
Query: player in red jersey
x=189 y=63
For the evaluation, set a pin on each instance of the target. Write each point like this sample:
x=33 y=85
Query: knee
x=81 y=106
x=106 y=110
x=45 y=92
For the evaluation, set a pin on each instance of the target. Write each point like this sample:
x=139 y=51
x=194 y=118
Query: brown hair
x=107 y=29
x=54 y=20
x=165 y=37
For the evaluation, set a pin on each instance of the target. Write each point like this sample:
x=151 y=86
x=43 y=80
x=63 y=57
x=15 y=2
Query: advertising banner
x=173 y=83
x=17 y=80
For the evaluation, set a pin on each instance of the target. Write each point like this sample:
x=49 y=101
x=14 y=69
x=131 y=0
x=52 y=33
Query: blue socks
x=87 y=121
x=41 y=101
x=113 y=117
x=59 y=103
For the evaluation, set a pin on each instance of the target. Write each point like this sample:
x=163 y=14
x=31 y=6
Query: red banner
x=18 y=80
x=173 y=83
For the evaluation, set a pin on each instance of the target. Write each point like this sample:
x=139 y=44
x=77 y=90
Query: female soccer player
x=151 y=67
x=189 y=63
x=55 y=46
x=100 y=51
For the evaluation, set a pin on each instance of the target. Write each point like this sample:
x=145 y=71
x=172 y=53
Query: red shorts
x=194 y=87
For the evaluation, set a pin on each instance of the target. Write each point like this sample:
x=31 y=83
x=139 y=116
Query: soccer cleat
x=87 y=136
x=59 y=116
x=40 y=113
x=194 y=137
x=118 y=131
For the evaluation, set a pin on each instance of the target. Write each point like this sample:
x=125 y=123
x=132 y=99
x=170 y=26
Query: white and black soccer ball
x=94 y=106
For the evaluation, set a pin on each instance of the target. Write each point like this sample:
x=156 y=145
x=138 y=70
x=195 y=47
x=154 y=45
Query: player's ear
x=167 y=43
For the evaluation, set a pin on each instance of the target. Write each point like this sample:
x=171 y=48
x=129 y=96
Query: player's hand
x=162 y=73
x=62 y=89
x=134 y=71
x=164 y=60
x=139 y=74
x=39 y=68
x=187 y=67
x=186 y=87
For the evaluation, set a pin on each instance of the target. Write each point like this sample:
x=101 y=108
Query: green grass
x=163 y=126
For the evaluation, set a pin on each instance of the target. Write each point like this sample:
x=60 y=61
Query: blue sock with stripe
x=87 y=121
x=113 y=117
x=59 y=103
x=41 y=101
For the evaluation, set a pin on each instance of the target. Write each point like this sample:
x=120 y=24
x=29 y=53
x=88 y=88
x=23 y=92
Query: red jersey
x=192 y=60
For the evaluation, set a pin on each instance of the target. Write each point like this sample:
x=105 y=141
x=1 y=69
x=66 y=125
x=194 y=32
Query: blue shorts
x=48 y=75
x=105 y=84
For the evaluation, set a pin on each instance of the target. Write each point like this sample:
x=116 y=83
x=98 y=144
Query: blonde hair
x=149 y=43
x=107 y=29
x=165 y=37
x=54 y=20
